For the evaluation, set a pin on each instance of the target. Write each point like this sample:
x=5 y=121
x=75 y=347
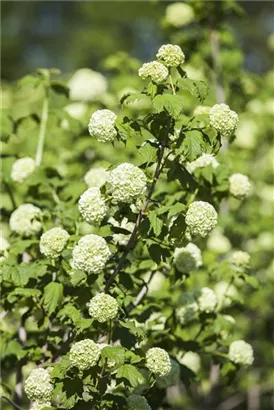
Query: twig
x=11 y=402
x=140 y=295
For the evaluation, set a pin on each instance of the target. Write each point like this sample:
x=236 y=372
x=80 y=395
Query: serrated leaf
x=196 y=88
x=53 y=295
x=173 y=104
x=23 y=292
x=146 y=154
x=176 y=209
x=155 y=222
x=114 y=353
x=130 y=324
x=192 y=145
x=130 y=373
x=77 y=277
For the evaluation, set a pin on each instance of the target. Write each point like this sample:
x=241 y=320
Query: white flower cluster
x=75 y=110
x=84 y=354
x=127 y=183
x=241 y=352
x=40 y=406
x=201 y=218
x=102 y=125
x=87 y=85
x=218 y=243
x=191 y=360
x=179 y=14
x=137 y=402
x=90 y=254
x=24 y=220
x=92 y=206
x=158 y=361
x=206 y=299
x=38 y=386
x=4 y=247
x=188 y=258
x=103 y=307
x=240 y=258
x=172 y=378
x=223 y=119
x=203 y=161
x=22 y=169
x=171 y=55
x=239 y=185
x=225 y=293
x=96 y=177
x=155 y=71
x=53 y=242
x=188 y=308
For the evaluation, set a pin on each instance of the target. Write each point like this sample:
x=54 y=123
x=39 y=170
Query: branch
x=11 y=402
x=140 y=295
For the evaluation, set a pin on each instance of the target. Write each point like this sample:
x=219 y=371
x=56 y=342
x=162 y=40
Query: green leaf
x=193 y=145
x=132 y=357
x=146 y=154
x=77 y=277
x=131 y=374
x=114 y=353
x=60 y=88
x=156 y=223
x=14 y=348
x=53 y=295
x=176 y=209
x=251 y=280
x=196 y=88
x=130 y=324
x=23 y=292
x=173 y=104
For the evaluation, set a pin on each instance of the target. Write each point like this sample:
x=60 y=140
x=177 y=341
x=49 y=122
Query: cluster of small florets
x=39 y=406
x=53 y=242
x=172 y=378
x=201 y=218
x=87 y=85
x=91 y=254
x=38 y=386
x=155 y=71
x=203 y=161
x=171 y=55
x=137 y=402
x=96 y=177
x=24 y=220
x=206 y=299
x=188 y=258
x=225 y=293
x=22 y=169
x=84 y=354
x=223 y=119
x=240 y=258
x=188 y=308
x=127 y=183
x=241 y=352
x=239 y=185
x=103 y=307
x=102 y=125
x=4 y=246
x=179 y=14
x=191 y=360
x=158 y=361
x=92 y=206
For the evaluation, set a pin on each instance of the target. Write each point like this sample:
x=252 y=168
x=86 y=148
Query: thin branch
x=140 y=295
x=11 y=402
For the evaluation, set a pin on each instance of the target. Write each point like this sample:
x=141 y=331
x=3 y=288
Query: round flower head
x=87 y=85
x=172 y=378
x=102 y=125
x=38 y=386
x=223 y=119
x=207 y=300
x=191 y=360
x=154 y=71
x=84 y=354
x=76 y=110
x=22 y=169
x=218 y=243
x=96 y=177
x=201 y=218
x=239 y=185
x=53 y=242
x=188 y=258
x=127 y=183
x=4 y=247
x=241 y=352
x=240 y=258
x=158 y=361
x=90 y=254
x=225 y=293
x=179 y=14
x=203 y=161
x=188 y=308
x=36 y=405
x=137 y=402
x=24 y=221
x=103 y=307
x=92 y=206
x=171 y=55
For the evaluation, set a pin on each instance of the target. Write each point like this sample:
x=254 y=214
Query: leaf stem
x=172 y=85
x=43 y=126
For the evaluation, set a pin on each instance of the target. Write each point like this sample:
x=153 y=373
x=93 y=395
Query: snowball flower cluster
x=76 y=110
x=38 y=386
x=92 y=206
x=84 y=354
x=127 y=183
x=218 y=243
x=225 y=293
x=22 y=169
x=240 y=258
x=103 y=307
x=191 y=360
x=40 y=406
x=4 y=246
x=53 y=242
x=179 y=14
x=96 y=177
x=87 y=85
x=172 y=378
x=223 y=119
x=155 y=71
x=91 y=254
x=203 y=161
x=241 y=352
x=207 y=300
x=188 y=258
x=158 y=361
x=239 y=185
x=201 y=218
x=102 y=125
x=171 y=55
x=24 y=220
x=188 y=308
x=137 y=402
